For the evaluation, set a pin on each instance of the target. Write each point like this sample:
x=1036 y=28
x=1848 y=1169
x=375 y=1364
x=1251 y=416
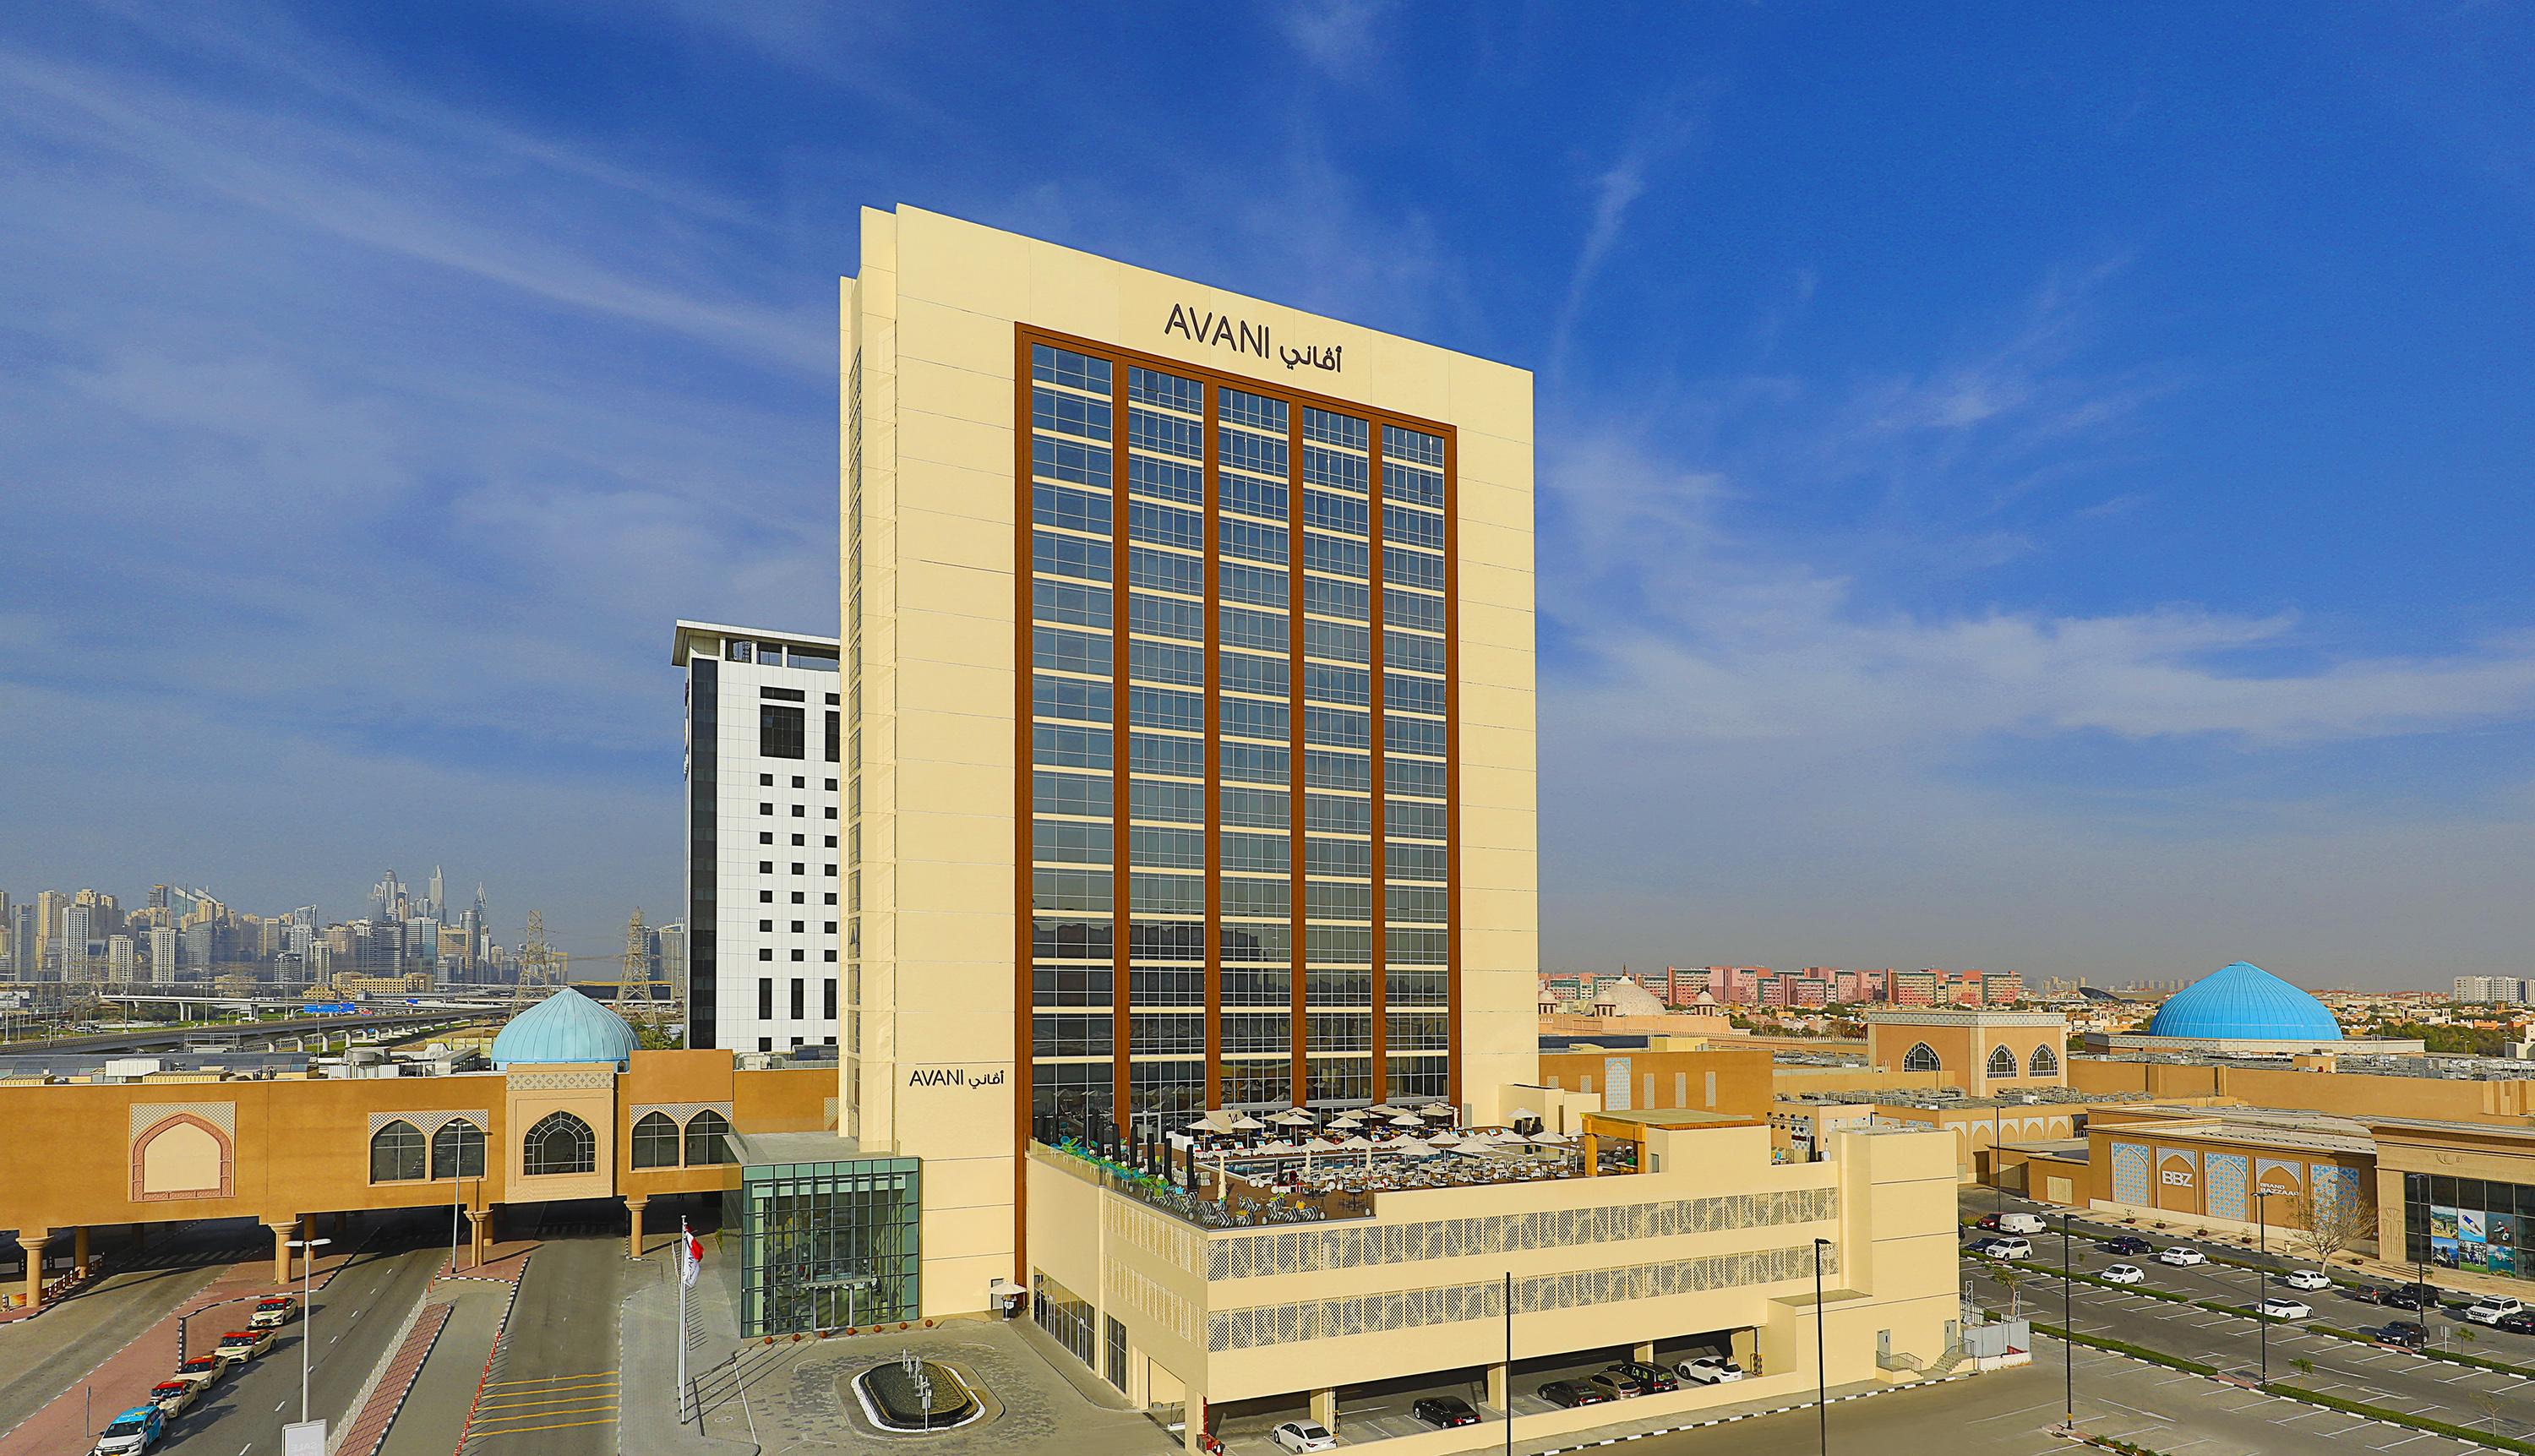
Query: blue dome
x=565 y=1027
x=2245 y=1003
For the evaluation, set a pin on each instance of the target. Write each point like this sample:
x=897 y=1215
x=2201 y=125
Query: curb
x=1614 y=1440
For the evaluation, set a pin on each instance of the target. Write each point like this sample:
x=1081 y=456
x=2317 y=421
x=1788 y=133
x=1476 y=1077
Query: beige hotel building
x=1189 y=764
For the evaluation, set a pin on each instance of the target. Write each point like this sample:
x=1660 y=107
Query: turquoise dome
x=2245 y=1003
x=565 y=1027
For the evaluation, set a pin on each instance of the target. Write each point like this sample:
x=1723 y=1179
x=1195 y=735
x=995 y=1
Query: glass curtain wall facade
x=826 y=1245
x=1237 y=795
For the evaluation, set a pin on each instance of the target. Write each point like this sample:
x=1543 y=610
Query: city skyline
x=1945 y=559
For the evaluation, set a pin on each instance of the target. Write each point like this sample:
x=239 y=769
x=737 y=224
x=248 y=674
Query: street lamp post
x=2067 y=1346
x=2262 y=1280
x=307 y=1311
x=1821 y=1365
x=1997 y=1180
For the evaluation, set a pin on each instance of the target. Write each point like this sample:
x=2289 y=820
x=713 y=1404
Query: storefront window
x=2476 y=1225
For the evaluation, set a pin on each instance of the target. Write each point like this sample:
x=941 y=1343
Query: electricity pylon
x=634 y=989
x=536 y=957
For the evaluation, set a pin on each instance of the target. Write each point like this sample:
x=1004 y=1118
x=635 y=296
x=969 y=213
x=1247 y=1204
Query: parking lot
x=1376 y=1413
x=2398 y=1380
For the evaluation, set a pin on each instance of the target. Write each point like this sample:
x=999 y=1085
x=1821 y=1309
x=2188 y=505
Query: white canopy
x=1293 y=1118
x=1354 y=1144
x=1246 y=1123
x=1405 y=1119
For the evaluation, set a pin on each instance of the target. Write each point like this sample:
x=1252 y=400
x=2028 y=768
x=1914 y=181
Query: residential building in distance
x=2491 y=990
x=764 y=737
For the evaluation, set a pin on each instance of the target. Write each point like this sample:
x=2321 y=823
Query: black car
x=1573 y=1393
x=2405 y=1297
x=2124 y=1244
x=2404 y=1333
x=1653 y=1379
x=2520 y=1323
x=1445 y=1410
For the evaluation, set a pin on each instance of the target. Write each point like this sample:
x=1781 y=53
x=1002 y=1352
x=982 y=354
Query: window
x=2002 y=1062
x=1922 y=1059
x=458 y=1150
x=2045 y=1062
x=797 y=992
x=560 y=1143
x=396 y=1153
x=708 y=1136
x=781 y=732
x=655 y=1141
x=765 y=995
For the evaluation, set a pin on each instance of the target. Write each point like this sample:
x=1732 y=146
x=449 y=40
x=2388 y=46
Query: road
x=553 y=1386
x=2010 y=1413
x=41 y=1357
x=354 y=1317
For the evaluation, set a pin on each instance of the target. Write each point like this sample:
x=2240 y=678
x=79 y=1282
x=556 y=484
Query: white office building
x=762 y=715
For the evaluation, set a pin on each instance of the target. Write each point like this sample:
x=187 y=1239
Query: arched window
x=708 y=1139
x=1922 y=1059
x=2002 y=1062
x=458 y=1150
x=396 y=1153
x=2045 y=1062
x=655 y=1141
x=560 y=1143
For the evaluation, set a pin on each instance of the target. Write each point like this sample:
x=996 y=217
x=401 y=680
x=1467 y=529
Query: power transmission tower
x=634 y=989
x=536 y=957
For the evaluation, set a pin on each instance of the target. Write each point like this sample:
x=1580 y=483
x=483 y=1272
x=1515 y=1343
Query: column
x=284 y=1231
x=479 y=1222
x=1500 y=1382
x=633 y=1206
x=1592 y=1155
x=1192 y=1420
x=78 y=1250
x=32 y=1241
x=1325 y=1408
x=1643 y=1355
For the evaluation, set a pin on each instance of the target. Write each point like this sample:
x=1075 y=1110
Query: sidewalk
x=649 y=1387
x=435 y=1408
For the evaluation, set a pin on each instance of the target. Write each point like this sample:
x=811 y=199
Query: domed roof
x=1625 y=997
x=2245 y=1003
x=565 y=1027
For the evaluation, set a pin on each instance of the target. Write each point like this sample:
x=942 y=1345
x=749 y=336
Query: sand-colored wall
x=1679 y=1079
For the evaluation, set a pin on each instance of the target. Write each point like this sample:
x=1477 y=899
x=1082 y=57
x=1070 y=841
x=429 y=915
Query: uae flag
x=691 y=1257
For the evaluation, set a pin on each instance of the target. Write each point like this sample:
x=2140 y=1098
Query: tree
x=2008 y=1279
x=2332 y=1218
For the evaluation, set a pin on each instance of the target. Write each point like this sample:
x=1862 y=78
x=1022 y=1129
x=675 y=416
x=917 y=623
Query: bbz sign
x=2178 y=1177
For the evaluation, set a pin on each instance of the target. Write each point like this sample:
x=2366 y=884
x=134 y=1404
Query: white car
x=2126 y=1274
x=2181 y=1257
x=1304 y=1436
x=1709 y=1370
x=2285 y=1309
x=2493 y=1308
x=2010 y=1249
x=2305 y=1279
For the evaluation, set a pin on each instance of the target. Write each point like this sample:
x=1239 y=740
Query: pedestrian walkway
x=434 y=1418
x=363 y=1433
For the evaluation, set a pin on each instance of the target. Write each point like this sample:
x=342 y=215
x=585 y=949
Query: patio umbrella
x=1406 y=1120
x=1523 y=1115
x=1364 y=1143
x=1247 y=1123
x=1293 y=1118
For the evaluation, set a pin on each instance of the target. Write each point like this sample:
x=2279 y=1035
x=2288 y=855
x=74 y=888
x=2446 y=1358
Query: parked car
x=2126 y=1244
x=2305 y=1279
x=2126 y=1274
x=172 y=1397
x=2277 y=1309
x=2405 y=1333
x=1988 y=1222
x=1445 y=1410
x=2011 y=1249
x=244 y=1345
x=1571 y=1393
x=273 y=1313
x=134 y=1432
x=1614 y=1384
x=1709 y=1370
x=1655 y=1379
x=2020 y=1223
x=2404 y=1296
x=1303 y=1435
x=202 y=1373
x=2180 y=1255
x=2493 y=1308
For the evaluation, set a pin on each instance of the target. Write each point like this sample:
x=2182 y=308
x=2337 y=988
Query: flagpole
x=683 y=1245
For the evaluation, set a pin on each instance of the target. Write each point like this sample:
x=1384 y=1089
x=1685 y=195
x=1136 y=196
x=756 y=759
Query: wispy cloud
x=1340 y=38
x=1613 y=192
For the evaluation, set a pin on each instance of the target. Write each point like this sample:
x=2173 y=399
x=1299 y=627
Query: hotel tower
x=1189 y=752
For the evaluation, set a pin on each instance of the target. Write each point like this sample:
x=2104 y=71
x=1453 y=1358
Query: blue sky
x=2018 y=488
